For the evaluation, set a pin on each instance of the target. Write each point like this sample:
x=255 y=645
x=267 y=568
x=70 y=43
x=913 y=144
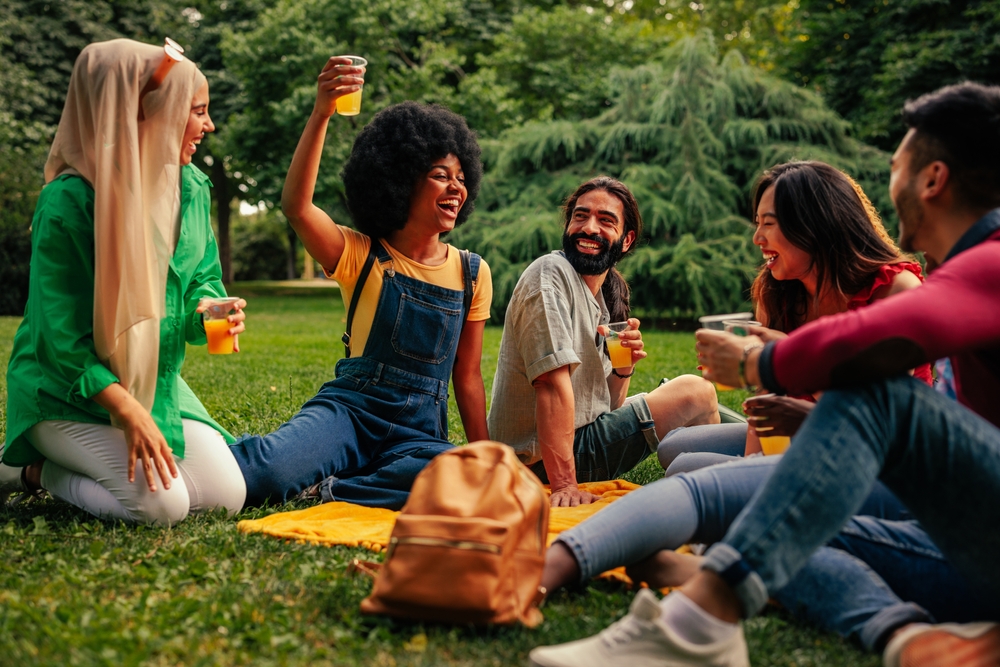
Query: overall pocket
x=424 y=331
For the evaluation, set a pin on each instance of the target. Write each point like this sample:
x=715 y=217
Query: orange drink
x=621 y=357
x=350 y=105
x=217 y=324
x=774 y=444
x=219 y=340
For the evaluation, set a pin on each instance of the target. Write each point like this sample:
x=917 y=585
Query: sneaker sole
x=940 y=648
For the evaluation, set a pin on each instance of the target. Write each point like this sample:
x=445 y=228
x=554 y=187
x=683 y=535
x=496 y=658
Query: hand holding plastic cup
x=621 y=357
x=719 y=322
x=350 y=104
x=217 y=324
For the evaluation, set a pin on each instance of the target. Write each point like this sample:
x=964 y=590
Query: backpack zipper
x=438 y=542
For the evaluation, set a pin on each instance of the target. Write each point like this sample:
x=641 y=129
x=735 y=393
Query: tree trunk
x=292 y=272
x=308 y=268
x=223 y=200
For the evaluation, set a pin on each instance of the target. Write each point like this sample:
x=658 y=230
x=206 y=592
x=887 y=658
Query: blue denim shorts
x=612 y=444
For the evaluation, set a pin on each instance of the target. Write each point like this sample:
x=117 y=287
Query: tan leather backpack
x=469 y=545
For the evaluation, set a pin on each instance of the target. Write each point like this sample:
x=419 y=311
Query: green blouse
x=54 y=370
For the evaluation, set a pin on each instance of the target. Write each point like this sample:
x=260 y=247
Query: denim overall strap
x=415 y=333
x=355 y=297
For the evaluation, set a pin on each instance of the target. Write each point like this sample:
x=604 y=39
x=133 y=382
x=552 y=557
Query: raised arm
x=320 y=236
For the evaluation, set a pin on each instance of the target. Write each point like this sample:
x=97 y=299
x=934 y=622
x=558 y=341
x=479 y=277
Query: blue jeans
x=939 y=458
x=876 y=576
x=691 y=448
x=367 y=434
x=691 y=507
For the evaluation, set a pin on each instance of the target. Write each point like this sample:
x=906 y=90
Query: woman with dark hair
x=825 y=251
x=416 y=307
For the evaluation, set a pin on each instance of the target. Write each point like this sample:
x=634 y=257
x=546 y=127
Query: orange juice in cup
x=774 y=444
x=350 y=105
x=217 y=324
x=621 y=357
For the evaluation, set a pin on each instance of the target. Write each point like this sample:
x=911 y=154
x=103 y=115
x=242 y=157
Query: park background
x=684 y=101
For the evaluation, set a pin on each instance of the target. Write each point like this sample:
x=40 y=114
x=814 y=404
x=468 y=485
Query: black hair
x=824 y=213
x=960 y=126
x=397 y=147
x=615 y=290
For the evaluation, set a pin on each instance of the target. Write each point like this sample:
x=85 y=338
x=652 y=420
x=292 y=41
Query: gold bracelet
x=747 y=349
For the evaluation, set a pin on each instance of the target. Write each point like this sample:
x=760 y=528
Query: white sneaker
x=641 y=639
x=944 y=645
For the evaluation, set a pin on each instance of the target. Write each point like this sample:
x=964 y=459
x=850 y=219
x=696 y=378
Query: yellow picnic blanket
x=346 y=524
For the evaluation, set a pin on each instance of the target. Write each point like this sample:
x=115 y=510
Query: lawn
x=78 y=591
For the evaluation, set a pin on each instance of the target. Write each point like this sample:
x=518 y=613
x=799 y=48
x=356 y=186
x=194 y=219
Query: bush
x=260 y=246
x=23 y=148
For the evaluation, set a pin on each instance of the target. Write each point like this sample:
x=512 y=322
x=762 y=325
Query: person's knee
x=164 y=507
x=689 y=394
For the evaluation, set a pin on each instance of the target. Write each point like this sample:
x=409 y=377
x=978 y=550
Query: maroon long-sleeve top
x=955 y=313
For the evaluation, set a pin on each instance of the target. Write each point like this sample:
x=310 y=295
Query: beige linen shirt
x=551 y=322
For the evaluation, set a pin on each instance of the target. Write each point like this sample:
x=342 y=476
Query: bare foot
x=561 y=568
x=664 y=568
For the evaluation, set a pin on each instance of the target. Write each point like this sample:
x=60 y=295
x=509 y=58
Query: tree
x=867 y=57
x=688 y=132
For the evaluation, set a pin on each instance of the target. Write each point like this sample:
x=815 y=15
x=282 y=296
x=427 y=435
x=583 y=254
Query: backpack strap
x=470 y=274
x=383 y=257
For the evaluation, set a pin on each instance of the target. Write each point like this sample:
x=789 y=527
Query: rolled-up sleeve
x=544 y=329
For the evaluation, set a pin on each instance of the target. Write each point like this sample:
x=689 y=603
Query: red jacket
x=955 y=313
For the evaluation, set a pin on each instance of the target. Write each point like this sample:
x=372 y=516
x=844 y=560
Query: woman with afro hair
x=416 y=306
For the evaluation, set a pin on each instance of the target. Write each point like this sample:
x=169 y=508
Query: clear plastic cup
x=621 y=357
x=718 y=323
x=350 y=105
x=217 y=324
x=739 y=327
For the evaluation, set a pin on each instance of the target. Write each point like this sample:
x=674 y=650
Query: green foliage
x=869 y=56
x=260 y=246
x=22 y=156
x=551 y=64
x=688 y=132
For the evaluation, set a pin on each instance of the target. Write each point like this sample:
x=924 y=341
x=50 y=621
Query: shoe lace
x=622 y=631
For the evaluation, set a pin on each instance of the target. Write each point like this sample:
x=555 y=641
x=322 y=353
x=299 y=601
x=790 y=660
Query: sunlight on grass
x=78 y=591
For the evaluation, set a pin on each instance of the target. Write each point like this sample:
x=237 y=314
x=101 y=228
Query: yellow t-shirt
x=447 y=275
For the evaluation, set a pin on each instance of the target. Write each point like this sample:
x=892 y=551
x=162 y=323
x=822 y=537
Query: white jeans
x=87 y=465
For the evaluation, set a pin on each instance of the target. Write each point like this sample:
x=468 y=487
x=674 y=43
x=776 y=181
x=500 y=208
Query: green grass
x=78 y=591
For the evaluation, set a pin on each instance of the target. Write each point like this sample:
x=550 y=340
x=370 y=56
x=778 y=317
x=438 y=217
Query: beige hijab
x=134 y=167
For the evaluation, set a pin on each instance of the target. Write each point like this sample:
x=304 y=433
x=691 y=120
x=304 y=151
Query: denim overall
x=368 y=433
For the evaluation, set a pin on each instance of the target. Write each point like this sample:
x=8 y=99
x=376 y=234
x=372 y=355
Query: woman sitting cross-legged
x=825 y=251
x=122 y=254
x=416 y=307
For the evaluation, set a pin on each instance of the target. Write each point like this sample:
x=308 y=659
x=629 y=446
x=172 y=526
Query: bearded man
x=556 y=398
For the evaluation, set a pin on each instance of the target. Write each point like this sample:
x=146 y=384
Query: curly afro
x=397 y=147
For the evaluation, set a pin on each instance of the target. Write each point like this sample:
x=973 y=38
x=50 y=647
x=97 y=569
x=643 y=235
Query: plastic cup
x=718 y=323
x=739 y=327
x=350 y=105
x=774 y=444
x=621 y=357
x=217 y=324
